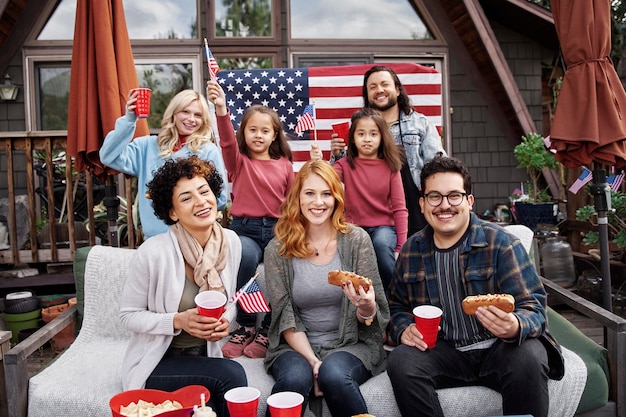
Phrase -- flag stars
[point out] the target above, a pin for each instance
(231, 103)
(265, 87)
(256, 95)
(247, 74)
(240, 110)
(273, 80)
(289, 80)
(298, 73)
(266, 103)
(230, 87)
(273, 95)
(256, 80)
(281, 74)
(298, 87)
(282, 103)
(248, 103)
(239, 95)
(247, 87)
(264, 74)
(238, 80)
(281, 87)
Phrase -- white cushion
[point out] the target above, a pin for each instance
(83, 379)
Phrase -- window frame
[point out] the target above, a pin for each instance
(33, 61)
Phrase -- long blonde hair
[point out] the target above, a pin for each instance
(168, 136)
(291, 227)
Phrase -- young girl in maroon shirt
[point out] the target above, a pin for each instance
(259, 165)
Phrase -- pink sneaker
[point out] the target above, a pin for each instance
(239, 339)
(258, 348)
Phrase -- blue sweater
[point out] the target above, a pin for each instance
(140, 158)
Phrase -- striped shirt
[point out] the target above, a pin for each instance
(459, 329)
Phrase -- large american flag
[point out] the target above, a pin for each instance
(336, 93)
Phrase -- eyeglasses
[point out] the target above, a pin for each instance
(435, 199)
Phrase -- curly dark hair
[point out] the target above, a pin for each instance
(447, 164)
(161, 188)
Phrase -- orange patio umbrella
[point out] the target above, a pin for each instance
(589, 124)
(102, 73)
(590, 120)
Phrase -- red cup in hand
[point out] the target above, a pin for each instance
(142, 106)
(341, 129)
(427, 320)
(210, 303)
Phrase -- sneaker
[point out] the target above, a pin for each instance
(239, 339)
(258, 348)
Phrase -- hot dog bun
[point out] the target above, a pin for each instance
(504, 302)
(339, 277)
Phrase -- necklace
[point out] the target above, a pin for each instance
(317, 252)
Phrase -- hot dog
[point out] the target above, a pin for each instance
(339, 277)
(504, 302)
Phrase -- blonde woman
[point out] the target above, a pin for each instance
(323, 339)
(186, 130)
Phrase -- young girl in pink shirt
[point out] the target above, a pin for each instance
(259, 165)
(374, 194)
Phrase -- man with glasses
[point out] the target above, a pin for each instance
(455, 256)
(383, 91)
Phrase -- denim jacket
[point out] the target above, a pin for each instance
(420, 139)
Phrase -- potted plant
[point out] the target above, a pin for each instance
(616, 225)
(536, 205)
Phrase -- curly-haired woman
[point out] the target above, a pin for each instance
(171, 345)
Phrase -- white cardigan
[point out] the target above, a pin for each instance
(151, 297)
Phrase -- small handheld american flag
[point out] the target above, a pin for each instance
(307, 121)
(251, 299)
(214, 67)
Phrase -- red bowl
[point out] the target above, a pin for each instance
(187, 396)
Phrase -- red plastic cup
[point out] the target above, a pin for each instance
(142, 109)
(242, 401)
(285, 404)
(210, 303)
(427, 320)
(342, 129)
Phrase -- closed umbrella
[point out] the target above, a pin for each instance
(589, 124)
(102, 73)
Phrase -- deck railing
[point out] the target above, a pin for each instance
(51, 199)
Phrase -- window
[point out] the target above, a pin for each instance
(52, 86)
(355, 19)
(243, 18)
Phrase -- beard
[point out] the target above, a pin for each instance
(391, 102)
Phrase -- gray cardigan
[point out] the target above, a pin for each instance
(365, 342)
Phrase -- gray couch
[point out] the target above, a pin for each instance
(83, 379)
